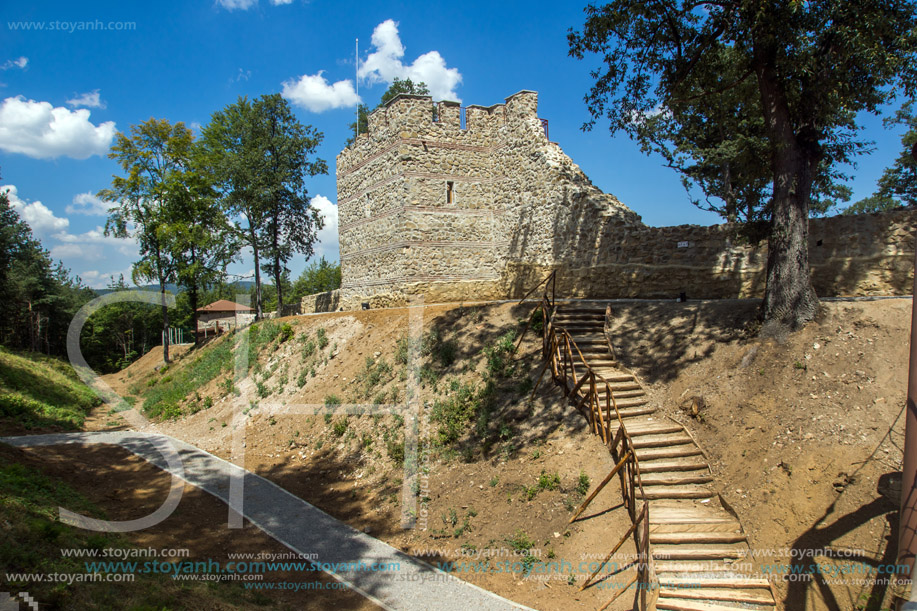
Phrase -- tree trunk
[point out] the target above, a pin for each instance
(257, 278)
(277, 283)
(194, 315)
(789, 299)
(165, 320)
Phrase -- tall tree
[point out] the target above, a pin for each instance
(262, 156)
(156, 158)
(318, 277)
(203, 238)
(292, 222)
(232, 149)
(811, 65)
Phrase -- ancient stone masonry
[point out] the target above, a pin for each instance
(476, 203)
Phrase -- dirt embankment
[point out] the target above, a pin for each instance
(803, 435)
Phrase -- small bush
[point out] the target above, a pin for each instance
(582, 485)
(285, 333)
(340, 427)
(322, 338)
(308, 349)
(548, 481)
(332, 401)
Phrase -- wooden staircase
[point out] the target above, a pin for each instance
(699, 549)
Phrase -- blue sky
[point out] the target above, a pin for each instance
(95, 68)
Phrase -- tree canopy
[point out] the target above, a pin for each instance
(754, 103)
(898, 184)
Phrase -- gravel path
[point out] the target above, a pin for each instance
(339, 550)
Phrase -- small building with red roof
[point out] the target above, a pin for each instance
(221, 316)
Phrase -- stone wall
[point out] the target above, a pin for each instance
(485, 209)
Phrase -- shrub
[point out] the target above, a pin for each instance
(332, 401)
(322, 338)
(454, 413)
(582, 486)
(285, 333)
(340, 427)
(548, 481)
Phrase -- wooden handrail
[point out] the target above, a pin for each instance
(564, 357)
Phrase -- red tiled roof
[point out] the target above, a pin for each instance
(224, 305)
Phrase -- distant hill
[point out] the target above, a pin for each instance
(244, 286)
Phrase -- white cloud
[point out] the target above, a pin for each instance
(243, 75)
(77, 251)
(100, 280)
(20, 63)
(281, 2)
(90, 99)
(385, 64)
(88, 204)
(314, 93)
(231, 5)
(36, 214)
(327, 245)
(41, 131)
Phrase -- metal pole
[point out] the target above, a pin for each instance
(907, 531)
(356, 83)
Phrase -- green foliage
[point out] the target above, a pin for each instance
(217, 359)
(898, 184)
(322, 338)
(318, 277)
(374, 373)
(41, 392)
(582, 484)
(548, 481)
(340, 426)
(260, 156)
(286, 332)
(499, 356)
(455, 412)
(39, 296)
(332, 401)
(716, 87)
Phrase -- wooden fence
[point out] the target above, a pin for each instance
(572, 372)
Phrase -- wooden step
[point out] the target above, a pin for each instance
(656, 454)
(661, 441)
(674, 492)
(685, 569)
(750, 597)
(625, 403)
(623, 394)
(673, 480)
(745, 583)
(676, 604)
(730, 528)
(637, 430)
(666, 466)
(699, 552)
(634, 412)
(695, 537)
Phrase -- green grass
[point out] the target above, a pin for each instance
(164, 399)
(37, 391)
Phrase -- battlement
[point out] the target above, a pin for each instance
(417, 116)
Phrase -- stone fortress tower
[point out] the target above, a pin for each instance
(454, 203)
(473, 203)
